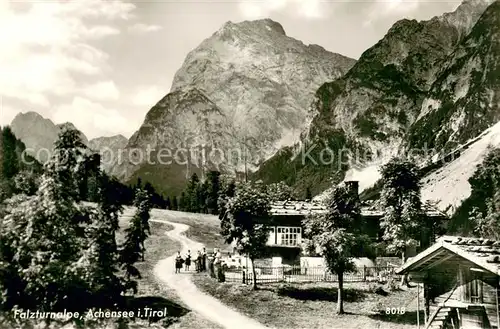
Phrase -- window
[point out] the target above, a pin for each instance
(272, 236)
(289, 236)
(476, 291)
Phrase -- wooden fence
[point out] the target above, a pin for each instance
(306, 274)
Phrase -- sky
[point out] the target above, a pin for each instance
(102, 64)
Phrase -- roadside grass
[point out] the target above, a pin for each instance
(204, 228)
(159, 246)
(302, 306)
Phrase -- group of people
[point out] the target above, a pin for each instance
(200, 261)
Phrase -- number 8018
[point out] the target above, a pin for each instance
(395, 310)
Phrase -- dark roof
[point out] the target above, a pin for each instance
(485, 253)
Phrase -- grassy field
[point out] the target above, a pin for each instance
(313, 305)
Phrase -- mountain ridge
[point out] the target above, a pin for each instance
(254, 84)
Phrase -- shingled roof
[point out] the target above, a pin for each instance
(298, 208)
(485, 253)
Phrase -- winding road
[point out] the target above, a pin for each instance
(207, 306)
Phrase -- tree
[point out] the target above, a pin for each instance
(201, 196)
(55, 253)
(280, 192)
(228, 190)
(191, 196)
(488, 224)
(26, 182)
(58, 254)
(400, 197)
(240, 221)
(212, 188)
(175, 205)
(183, 202)
(482, 205)
(308, 193)
(136, 234)
(168, 204)
(156, 199)
(338, 236)
(107, 286)
(10, 162)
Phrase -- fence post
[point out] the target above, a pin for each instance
(364, 272)
(243, 276)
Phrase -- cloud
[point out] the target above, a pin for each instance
(49, 44)
(383, 9)
(144, 28)
(93, 117)
(104, 90)
(7, 113)
(310, 9)
(148, 96)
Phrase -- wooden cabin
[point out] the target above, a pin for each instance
(286, 229)
(461, 281)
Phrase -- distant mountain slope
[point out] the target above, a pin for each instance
(109, 148)
(38, 133)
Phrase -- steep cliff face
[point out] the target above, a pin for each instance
(369, 114)
(108, 148)
(245, 90)
(38, 134)
(464, 100)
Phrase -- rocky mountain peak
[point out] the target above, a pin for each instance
(265, 25)
(466, 14)
(247, 88)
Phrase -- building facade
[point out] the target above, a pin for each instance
(461, 281)
(287, 231)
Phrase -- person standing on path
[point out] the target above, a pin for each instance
(198, 262)
(178, 262)
(204, 260)
(188, 260)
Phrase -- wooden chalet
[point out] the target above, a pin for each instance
(286, 219)
(461, 281)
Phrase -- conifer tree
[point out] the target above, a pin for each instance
(308, 193)
(44, 238)
(175, 205)
(133, 249)
(212, 189)
(183, 202)
(191, 197)
(10, 162)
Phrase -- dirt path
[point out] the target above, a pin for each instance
(207, 306)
